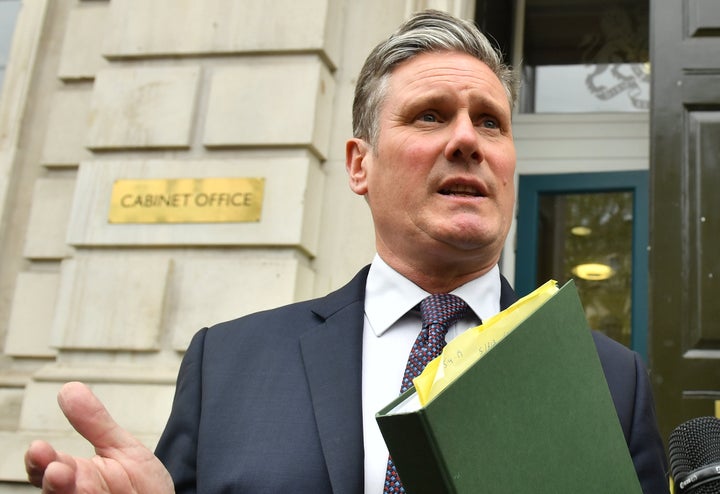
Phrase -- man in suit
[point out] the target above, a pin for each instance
(284, 400)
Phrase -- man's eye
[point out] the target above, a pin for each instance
(427, 117)
(490, 123)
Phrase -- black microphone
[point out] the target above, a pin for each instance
(694, 453)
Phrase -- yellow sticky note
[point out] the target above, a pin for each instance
(473, 344)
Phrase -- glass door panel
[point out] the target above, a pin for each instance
(588, 237)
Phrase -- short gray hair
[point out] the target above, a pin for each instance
(426, 31)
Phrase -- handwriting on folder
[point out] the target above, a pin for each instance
(474, 343)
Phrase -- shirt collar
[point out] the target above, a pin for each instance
(389, 295)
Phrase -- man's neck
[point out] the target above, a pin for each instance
(436, 277)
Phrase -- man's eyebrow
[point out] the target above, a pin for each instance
(428, 98)
(484, 100)
(480, 101)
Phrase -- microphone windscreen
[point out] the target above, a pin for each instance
(695, 445)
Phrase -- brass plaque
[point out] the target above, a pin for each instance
(187, 200)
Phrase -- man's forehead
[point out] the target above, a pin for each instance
(432, 73)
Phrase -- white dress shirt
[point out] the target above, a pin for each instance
(390, 329)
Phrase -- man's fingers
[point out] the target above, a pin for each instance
(38, 456)
(60, 478)
(42, 462)
(91, 419)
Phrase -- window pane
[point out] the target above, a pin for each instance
(562, 32)
(586, 55)
(588, 237)
(8, 13)
(592, 88)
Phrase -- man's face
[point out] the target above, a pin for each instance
(439, 180)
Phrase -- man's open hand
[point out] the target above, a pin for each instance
(121, 464)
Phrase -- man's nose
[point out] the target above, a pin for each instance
(464, 142)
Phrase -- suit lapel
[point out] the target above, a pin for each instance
(507, 294)
(332, 355)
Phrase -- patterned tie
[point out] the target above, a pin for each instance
(439, 312)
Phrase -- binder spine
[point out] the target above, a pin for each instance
(416, 451)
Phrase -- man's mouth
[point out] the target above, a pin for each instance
(461, 190)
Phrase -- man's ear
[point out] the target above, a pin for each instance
(358, 157)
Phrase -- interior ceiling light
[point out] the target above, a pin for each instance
(593, 271)
(580, 231)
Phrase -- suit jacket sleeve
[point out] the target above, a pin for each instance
(177, 448)
(645, 444)
(630, 388)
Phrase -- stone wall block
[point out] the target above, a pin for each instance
(67, 124)
(290, 212)
(139, 408)
(31, 316)
(141, 107)
(208, 291)
(10, 404)
(87, 26)
(110, 302)
(278, 101)
(49, 216)
(222, 27)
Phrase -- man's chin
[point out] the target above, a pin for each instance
(471, 247)
(468, 236)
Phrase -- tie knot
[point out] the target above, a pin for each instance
(442, 309)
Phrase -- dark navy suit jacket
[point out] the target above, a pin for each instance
(271, 402)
